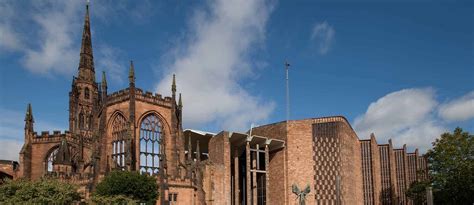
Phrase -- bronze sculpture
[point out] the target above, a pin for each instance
(301, 195)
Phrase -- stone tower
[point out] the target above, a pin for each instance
(84, 95)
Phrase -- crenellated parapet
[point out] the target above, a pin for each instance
(156, 99)
(140, 95)
(118, 97)
(55, 137)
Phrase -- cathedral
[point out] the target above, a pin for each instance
(318, 160)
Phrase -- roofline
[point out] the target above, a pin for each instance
(200, 132)
(8, 161)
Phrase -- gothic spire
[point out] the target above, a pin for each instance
(29, 113)
(180, 102)
(104, 80)
(173, 86)
(131, 73)
(86, 61)
(29, 118)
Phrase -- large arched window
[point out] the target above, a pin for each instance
(119, 134)
(150, 136)
(50, 158)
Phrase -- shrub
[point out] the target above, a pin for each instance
(142, 188)
(44, 191)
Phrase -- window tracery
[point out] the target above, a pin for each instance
(50, 159)
(150, 144)
(119, 135)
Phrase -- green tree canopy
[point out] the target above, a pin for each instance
(142, 188)
(417, 192)
(451, 165)
(44, 191)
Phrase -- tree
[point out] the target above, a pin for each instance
(142, 188)
(44, 191)
(417, 192)
(451, 165)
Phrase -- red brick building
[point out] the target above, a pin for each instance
(135, 130)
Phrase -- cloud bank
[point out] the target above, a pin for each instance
(459, 109)
(214, 60)
(410, 116)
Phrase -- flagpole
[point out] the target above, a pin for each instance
(287, 65)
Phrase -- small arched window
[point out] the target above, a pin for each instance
(50, 159)
(150, 140)
(81, 121)
(86, 93)
(119, 134)
(89, 122)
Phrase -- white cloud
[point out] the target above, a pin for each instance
(407, 116)
(112, 61)
(459, 109)
(9, 37)
(48, 33)
(323, 36)
(211, 64)
(56, 51)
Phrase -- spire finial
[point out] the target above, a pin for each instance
(180, 102)
(173, 86)
(29, 113)
(86, 61)
(104, 80)
(131, 73)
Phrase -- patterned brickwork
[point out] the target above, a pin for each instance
(338, 177)
(327, 163)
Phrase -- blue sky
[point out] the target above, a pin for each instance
(401, 69)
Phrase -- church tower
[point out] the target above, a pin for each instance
(84, 95)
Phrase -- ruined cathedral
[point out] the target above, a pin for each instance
(318, 160)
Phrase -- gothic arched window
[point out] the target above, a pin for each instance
(50, 158)
(89, 122)
(86, 93)
(150, 140)
(81, 121)
(119, 134)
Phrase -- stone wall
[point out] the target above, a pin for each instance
(219, 191)
(8, 169)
